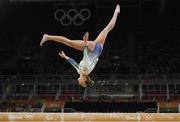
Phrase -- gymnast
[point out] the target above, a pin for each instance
(91, 50)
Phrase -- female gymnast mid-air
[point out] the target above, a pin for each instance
(91, 50)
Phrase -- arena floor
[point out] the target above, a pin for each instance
(89, 117)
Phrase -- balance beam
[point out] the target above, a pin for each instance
(93, 117)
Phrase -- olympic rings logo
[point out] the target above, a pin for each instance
(72, 16)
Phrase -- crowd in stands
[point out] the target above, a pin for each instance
(14, 106)
(149, 57)
(159, 57)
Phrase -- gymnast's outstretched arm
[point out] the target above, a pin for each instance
(70, 60)
(75, 65)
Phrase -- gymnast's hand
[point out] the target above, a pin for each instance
(86, 37)
(63, 55)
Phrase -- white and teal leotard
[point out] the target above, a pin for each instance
(89, 61)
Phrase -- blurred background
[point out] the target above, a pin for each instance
(139, 66)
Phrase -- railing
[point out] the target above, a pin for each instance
(69, 110)
(151, 110)
(104, 76)
(113, 85)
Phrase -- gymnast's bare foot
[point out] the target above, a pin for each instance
(117, 9)
(44, 39)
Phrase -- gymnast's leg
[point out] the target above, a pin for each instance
(102, 36)
(79, 44)
(76, 44)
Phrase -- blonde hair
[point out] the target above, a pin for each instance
(89, 82)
